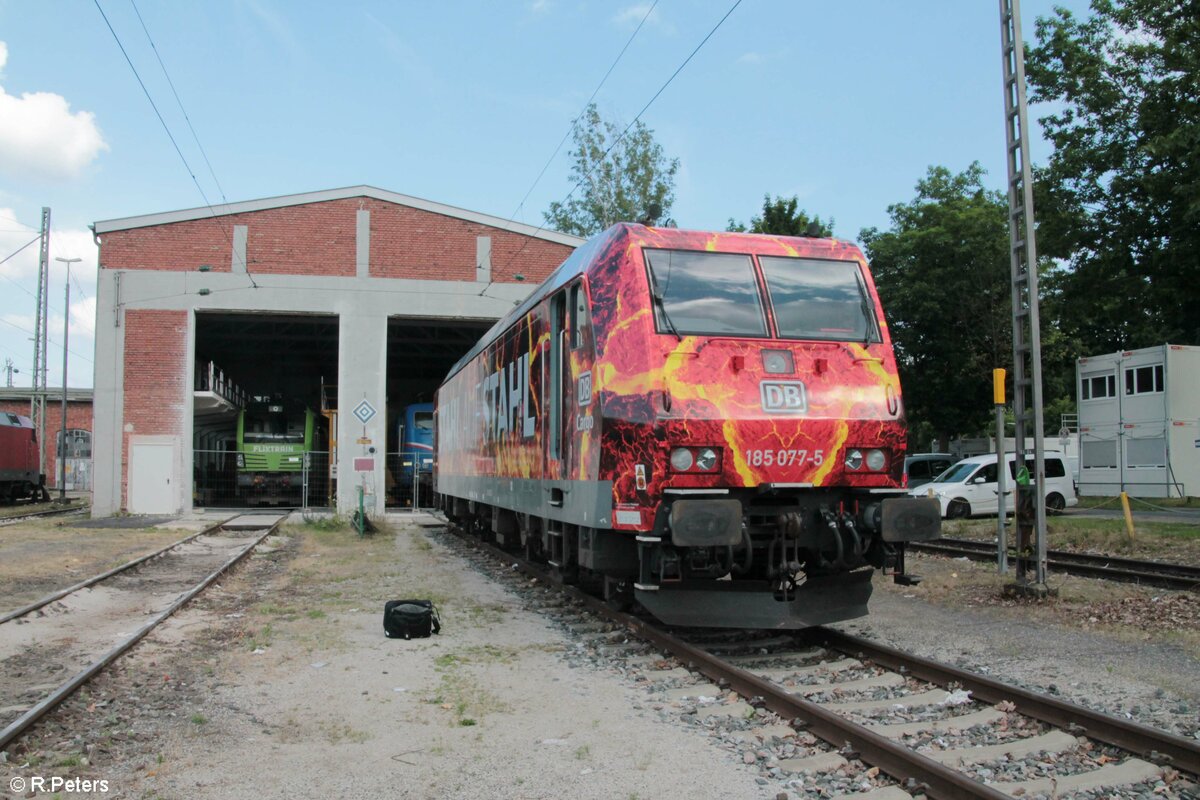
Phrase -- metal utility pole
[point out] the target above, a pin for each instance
(1027, 356)
(62, 434)
(9, 369)
(37, 399)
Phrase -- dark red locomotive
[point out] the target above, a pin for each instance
(708, 423)
(20, 461)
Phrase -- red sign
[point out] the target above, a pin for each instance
(364, 465)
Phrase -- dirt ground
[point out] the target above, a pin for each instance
(278, 682)
(40, 556)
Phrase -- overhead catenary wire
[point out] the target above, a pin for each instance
(56, 344)
(167, 129)
(182, 110)
(632, 122)
(582, 111)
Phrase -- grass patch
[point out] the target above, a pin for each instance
(198, 719)
(261, 639)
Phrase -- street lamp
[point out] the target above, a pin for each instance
(62, 434)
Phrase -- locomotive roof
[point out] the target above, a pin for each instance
(10, 420)
(584, 256)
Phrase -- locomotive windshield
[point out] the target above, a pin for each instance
(273, 427)
(705, 293)
(818, 299)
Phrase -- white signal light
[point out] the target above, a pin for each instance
(706, 460)
(876, 460)
(854, 459)
(778, 362)
(681, 459)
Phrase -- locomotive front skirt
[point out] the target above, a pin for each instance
(708, 423)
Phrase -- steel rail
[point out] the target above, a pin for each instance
(910, 768)
(57, 512)
(61, 593)
(1155, 745)
(1128, 570)
(65, 690)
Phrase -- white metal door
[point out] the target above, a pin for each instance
(151, 473)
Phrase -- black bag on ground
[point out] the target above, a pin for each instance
(410, 619)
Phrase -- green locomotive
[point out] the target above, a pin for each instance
(274, 440)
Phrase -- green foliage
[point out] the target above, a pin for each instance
(617, 179)
(782, 218)
(1120, 197)
(943, 275)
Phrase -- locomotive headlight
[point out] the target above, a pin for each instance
(681, 459)
(876, 460)
(706, 459)
(854, 459)
(241, 461)
(778, 362)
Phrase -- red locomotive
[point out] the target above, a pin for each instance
(708, 423)
(20, 461)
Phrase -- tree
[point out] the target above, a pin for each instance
(617, 178)
(1119, 200)
(943, 276)
(781, 217)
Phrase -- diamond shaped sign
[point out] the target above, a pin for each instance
(363, 412)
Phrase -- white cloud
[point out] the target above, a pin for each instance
(632, 16)
(751, 58)
(64, 243)
(41, 137)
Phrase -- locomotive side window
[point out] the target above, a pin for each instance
(579, 315)
(705, 293)
(819, 299)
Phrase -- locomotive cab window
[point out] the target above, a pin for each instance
(705, 293)
(819, 299)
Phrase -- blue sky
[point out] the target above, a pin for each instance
(843, 104)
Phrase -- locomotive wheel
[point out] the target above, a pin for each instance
(958, 509)
(618, 594)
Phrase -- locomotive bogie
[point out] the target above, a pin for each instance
(709, 423)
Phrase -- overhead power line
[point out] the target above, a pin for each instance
(633, 122)
(171, 83)
(167, 129)
(582, 111)
(56, 344)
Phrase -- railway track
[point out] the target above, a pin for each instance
(1128, 570)
(934, 729)
(84, 628)
(56, 512)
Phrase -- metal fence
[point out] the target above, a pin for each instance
(410, 479)
(218, 482)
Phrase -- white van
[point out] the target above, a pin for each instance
(969, 487)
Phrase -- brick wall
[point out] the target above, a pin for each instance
(410, 243)
(156, 379)
(79, 417)
(320, 239)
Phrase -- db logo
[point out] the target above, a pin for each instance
(585, 389)
(782, 397)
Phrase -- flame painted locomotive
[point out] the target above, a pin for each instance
(707, 423)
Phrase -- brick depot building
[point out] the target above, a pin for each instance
(322, 300)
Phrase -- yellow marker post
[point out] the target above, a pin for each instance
(1001, 538)
(1128, 515)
